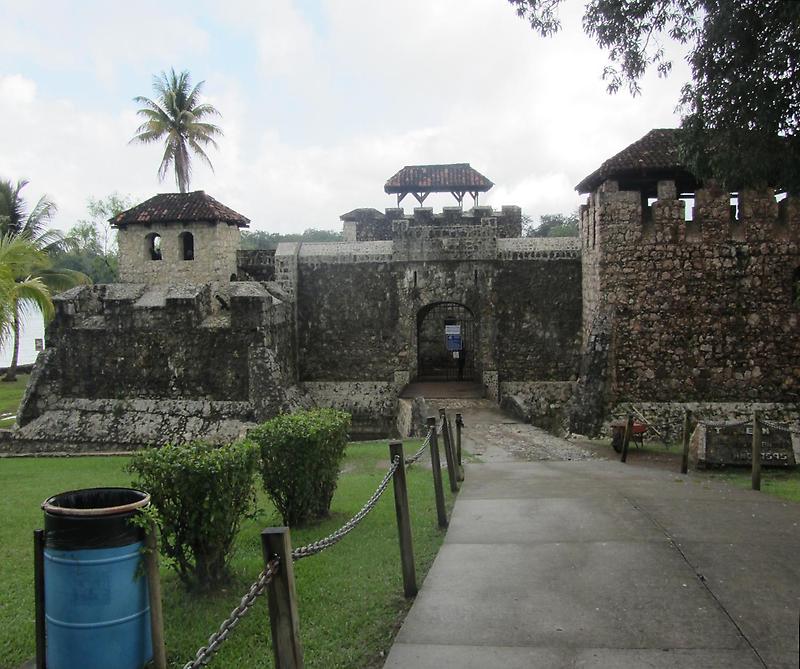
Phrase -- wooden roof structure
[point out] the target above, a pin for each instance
(641, 165)
(179, 208)
(422, 180)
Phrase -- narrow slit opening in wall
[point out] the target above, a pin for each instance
(688, 210)
(415, 278)
(152, 246)
(734, 208)
(187, 246)
(647, 208)
(594, 231)
(780, 198)
(476, 277)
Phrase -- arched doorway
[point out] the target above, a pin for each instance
(446, 343)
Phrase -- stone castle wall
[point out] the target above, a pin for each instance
(129, 365)
(255, 265)
(214, 253)
(686, 311)
(358, 304)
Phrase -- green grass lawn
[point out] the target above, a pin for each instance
(785, 484)
(350, 597)
(778, 482)
(10, 396)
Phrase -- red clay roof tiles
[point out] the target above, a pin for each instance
(180, 207)
(437, 179)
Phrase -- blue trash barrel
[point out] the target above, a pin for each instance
(97, 612)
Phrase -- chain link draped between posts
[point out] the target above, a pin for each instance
(422, 450)
(746, 422)
(723, 423)
(204, 654)
(778, 427)
(335, 537)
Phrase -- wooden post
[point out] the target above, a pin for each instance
(687, 421)
(448, 452)
(627, 439)
(459, 425)
(154, 590)
(403, 521)
(38, 594)
(282, 600)
(756, 476)
(436, 466)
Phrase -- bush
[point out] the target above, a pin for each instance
(300, 458)
(200, 493)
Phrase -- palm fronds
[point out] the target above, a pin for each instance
(176, 117)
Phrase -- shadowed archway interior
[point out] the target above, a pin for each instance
(436, 359)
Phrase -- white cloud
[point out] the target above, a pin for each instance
(379, 86)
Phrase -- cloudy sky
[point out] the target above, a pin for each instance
(321, 101)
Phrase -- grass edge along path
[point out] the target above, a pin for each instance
(350, 597)
(776, 481)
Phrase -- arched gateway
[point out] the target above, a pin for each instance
(446, 343)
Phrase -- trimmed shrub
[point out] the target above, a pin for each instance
(300, 458)
(200, 493)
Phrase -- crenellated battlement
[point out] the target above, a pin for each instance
(698, 290)
(423, 222)
(707, 216)
(239, 306)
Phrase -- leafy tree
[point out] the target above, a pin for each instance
(742, 106)
(92, 250)
(177, 117)
(552, 225)
(31, 227)
(260, 239)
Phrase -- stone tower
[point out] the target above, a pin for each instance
(176, 237)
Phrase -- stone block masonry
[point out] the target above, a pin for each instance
(361, 305)
(129, 365)
(213, 252)
(696, 310)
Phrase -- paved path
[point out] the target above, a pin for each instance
(591, 563)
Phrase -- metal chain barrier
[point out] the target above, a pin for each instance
(731, 423)
(778, 427)
(422, 450)
(204, 654)
(335, 537)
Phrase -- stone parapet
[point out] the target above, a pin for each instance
(345, 252)
(538, 248)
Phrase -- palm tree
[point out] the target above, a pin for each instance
(18, 255)
(176, 117)
(37, 270)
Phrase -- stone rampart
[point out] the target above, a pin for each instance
(695, 310)
(255, 265)
(128, 365)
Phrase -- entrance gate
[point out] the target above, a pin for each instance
(446, 343)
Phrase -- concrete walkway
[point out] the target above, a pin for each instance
(591, 563)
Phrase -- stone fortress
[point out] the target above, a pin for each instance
(676, 294)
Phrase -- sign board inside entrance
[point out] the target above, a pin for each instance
(452, 335)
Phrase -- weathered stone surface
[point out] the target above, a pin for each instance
(134, 365)
(699, 310)
(213, 257)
